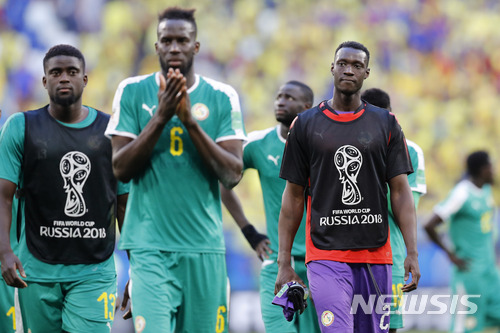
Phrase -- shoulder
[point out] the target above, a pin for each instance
(260, 135)
(15, 121)
(135, 81)
(216, 86)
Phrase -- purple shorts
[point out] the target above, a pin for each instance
(346, 298)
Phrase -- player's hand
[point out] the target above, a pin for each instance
(286, 274)
(125, 301)
(411, 266)
(263, 250)
(461, 264)
(170, 93)
(10, 265)
(183, 110)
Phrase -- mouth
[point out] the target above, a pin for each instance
(174, 63)
(64, 90)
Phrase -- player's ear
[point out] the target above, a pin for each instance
(85, 80)
(44, 82)
(331, 68)
(367, 73)
(196, 47)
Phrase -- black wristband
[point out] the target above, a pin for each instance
(252, 235)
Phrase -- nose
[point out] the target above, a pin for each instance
(174, 47)
(348, 70)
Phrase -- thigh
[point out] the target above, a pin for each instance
(272, 315)
(396, 317)
(372, 290)
(465, 318)
(7, 309)
(307, 321)
(331, 287)
(41, 305)
(204, 281)
(155, 292)
(89, 305)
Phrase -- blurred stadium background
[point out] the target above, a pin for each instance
(439, 60)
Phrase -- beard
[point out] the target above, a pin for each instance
(285, 119)
(183, 69)
(66, 100)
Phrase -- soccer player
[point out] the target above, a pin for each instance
(59, 160)
(263, 151)
(341, 155)
(175, 136)
(380, 98)
(469, 209)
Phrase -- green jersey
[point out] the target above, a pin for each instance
(419, 188)
(12, 151)
(469, 210)
(174, 203)
(263, 152)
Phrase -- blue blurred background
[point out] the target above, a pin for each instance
(439, 61)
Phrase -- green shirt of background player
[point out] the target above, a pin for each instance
(380, 98)
(469, 209)
(263, 152)
(175, 136)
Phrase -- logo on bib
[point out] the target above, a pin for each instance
(75, 169)
(200, 111)
(348, 160)
(140, 324)
(327, 318)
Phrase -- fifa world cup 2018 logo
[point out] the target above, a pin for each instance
(348, 160)
(75, 169)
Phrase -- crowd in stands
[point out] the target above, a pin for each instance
(439, 60)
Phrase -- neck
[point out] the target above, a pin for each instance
(73, 113)
(478, 182)
(190, 79)
(343, 102)
(284, 130)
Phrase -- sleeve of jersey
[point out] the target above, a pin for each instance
(123, 188)
(453, 203)
(12, 147)
(123, 121)
(231, 120)
(398, 158)
(417, 178)
(295, 164)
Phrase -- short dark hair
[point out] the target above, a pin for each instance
(63, 50)
(355, 45)
(476, 161)
(306, 90)
(177, 13)
(377, 97)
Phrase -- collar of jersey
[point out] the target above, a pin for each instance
(190, 90)
(330, 113)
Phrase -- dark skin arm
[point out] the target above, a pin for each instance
(120, 211)
(233, 205)
(430, 228)
(292, 209)
(130, 156)
(10, 262)
(404, 213)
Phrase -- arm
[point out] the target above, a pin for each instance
(224, 159)
(259, 242)
(404, 214)
(120, 211)
(10, 262)
(131, 155)
(292, 209)
(430, 228)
